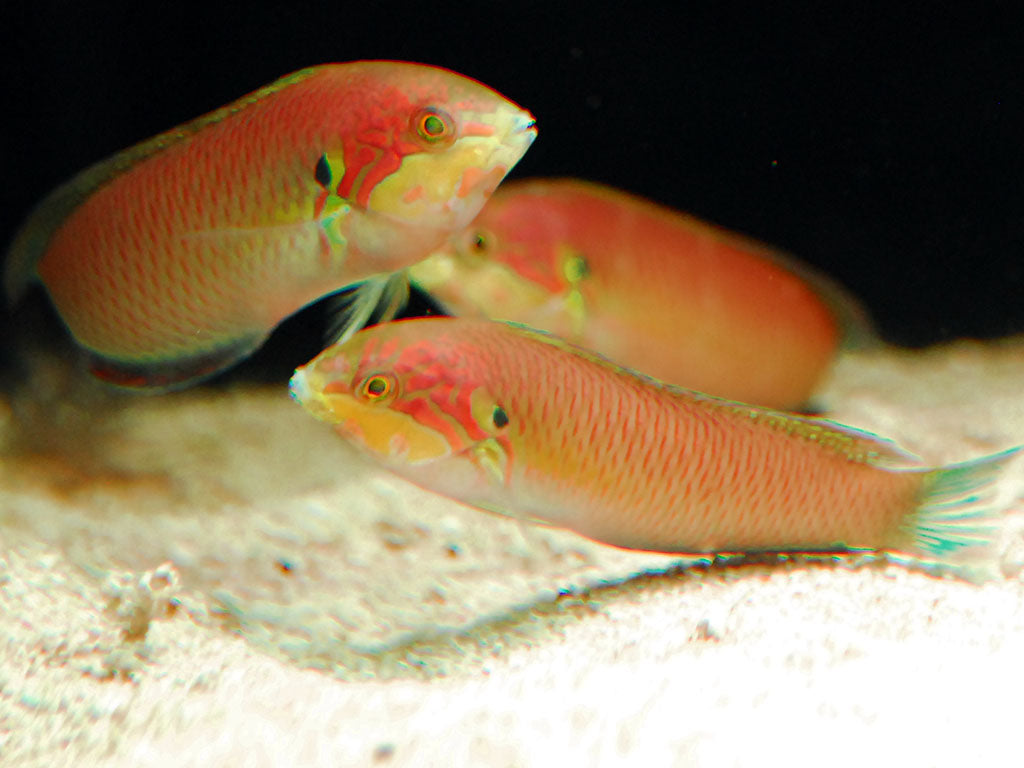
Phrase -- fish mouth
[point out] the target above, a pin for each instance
(518, 138)
(523, 131)
(527, 126)
(302, 393)
(307, 385)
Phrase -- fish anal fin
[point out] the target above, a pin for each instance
(175, 373)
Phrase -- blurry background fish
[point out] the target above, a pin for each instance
(650, 288)
(881, 150)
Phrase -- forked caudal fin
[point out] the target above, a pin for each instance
(956, 524)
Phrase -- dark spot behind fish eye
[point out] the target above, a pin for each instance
(323, 172)
(499, 417)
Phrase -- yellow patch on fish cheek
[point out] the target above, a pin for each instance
(392, 194)
(438, 176)
(418, 444)
(388, 434)
(351, 431)
(377, 430)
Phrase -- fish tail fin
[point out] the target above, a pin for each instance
(32, 239)
(24, 254)
(957, 523)
(377, 299)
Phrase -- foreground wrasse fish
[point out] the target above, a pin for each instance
(516, 422)
(651, 288)
(175, 258)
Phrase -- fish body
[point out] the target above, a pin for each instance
(517, 422)
(651, 288)
(176, 257)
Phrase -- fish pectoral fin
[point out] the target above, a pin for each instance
(376, 300)
(491, 457)
(172, 373)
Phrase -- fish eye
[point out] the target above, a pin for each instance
(377, 386)
(479, 242)
(499, 417)
(433, 125)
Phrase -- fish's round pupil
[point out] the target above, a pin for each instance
(433, 125)
(377, 386)
(499, 417)
(479, 242)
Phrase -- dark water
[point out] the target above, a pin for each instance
(883, 149)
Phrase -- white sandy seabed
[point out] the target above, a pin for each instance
(213, 578)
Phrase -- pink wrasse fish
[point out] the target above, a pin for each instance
(521, 423)
(649, 287)
(176, 257)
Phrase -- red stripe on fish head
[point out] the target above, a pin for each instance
(383, 136)
(437, 385)
(371, 155)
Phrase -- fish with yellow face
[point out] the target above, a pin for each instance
(175, 258)
(521, 423)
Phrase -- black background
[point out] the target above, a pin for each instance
(883, 148)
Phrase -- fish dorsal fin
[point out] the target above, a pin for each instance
(855, 444)
(32, 239)
(546, 337)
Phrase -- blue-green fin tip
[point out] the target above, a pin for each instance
(959, 508)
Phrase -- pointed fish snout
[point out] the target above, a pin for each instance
(298, 386)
